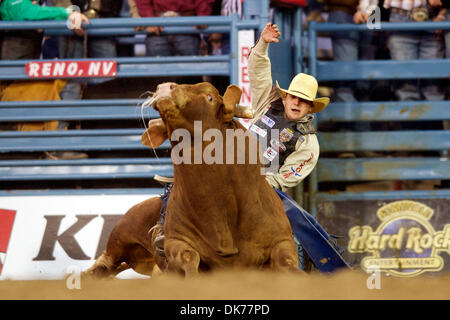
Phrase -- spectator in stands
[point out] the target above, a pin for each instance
(220, 43)
(443, 15)
(446, 7)
(314, 10)
(134, 12)
(80, 46)
(130, 8)
(27, 44)
(167, 45)
(411, 45)
(96, 47)
(445, 12)
(350, 46)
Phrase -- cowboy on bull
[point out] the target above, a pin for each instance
(290, 112)
(295, 149)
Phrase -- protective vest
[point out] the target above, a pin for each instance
(278, 135)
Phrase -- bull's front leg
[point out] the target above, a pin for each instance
(181, 257)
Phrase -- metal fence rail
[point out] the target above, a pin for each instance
(256, 13)
(93, 109)
(329, 168)
(225, 65)
(332, 169)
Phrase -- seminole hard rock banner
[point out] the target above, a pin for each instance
(403, 238)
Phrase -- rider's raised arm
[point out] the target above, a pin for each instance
(262, 90)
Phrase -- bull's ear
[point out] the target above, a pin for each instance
(231, 97)
(156, 133)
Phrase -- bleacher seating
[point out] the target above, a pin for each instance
(427, 149)
(78, 140)
(118, 153)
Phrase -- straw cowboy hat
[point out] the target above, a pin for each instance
(305, 86)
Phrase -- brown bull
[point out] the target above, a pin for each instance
(218, 215)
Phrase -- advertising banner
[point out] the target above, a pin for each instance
(41, 237)
(246, 42)
(403, 238)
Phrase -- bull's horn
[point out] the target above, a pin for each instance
(244, 112)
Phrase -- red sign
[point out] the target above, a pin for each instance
(71, 69)
(6, 224)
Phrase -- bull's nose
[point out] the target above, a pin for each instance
(164, 89)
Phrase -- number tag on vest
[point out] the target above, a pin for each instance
(258, 130)
(286, 135)
(277, 145)
(270, 154)
(267, 121)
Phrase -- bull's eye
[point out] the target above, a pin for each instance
(210, 98)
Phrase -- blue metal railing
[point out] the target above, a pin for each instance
(222, 65)
(366, 169)
(255, 17)
(228, 65)
(439, 66)
(291, 27)
(92, 109)
(225, 65)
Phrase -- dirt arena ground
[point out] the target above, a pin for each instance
(252, 285)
